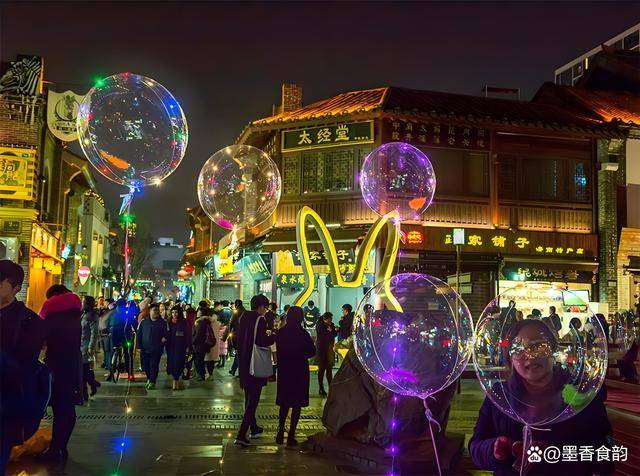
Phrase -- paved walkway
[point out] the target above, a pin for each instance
(191, 432)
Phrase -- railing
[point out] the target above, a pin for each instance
(351, 210)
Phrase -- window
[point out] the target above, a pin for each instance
(327, 171)
(554, 179)
(631, 40)
(460, 172)
(332, 170)
(565, 77)
(291, 174)
(581, 181)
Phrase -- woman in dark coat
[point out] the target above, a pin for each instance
(178, 342)
(88, 345)
(294, 347)
(325, 339)
(61, 313)
(535, 393)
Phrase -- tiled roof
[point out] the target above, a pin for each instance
(345, 103)
(608, 105)
(443, 106)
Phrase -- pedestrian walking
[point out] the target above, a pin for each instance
(311, 315)
(24, 381)
(203, 340)
(178, 344)
(238, 311)
(152, 336)
(103, 331)
(223, 345)
(213, 356)
(252, 332)
(294, 348)
(325, 340)
(122, 324)
(88, 346)
(61, 313)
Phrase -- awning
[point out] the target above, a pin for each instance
(282, 240)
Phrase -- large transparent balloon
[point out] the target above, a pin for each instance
(239, 186)
(132, 130)
(398, 176)
(540, 353)
(413, 334)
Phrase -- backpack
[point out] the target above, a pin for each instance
(210, 338)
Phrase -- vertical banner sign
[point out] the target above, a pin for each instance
(17, 168)
(62, 111)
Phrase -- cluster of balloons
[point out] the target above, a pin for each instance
(422, 342)
(134, 132)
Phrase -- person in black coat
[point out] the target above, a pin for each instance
(325, 339)
(294, 348)
(22, 335)
(346, 322)
(88, 345)
(178, 343)
(535, 392)
(152, 335)
(61, 313)
(203, 341)
(247, 335)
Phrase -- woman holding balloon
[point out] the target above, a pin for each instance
(538, 393)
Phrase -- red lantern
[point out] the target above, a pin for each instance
(182, 273)
(189, 268)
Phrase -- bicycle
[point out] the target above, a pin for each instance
(117, 363)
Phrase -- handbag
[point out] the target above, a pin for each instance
(260, 365)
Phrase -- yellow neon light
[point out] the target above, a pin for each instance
(391, 220)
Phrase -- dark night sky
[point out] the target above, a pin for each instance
(225, 61)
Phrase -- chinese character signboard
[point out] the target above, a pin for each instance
(505, 242)
(319, 258)
(435, 134)
(328, 136)
(290, 280)
(550, 273)
(17, 173)
(414, 237)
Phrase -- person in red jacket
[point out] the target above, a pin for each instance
(61, 313)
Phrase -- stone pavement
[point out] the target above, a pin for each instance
(191, 432)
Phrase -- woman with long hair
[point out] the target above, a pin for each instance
(88, 345)
(178, 343)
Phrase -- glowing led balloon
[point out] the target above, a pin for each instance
(239, 186)
(132, 130)
(539, 336)
(397, 176)
(420, 347)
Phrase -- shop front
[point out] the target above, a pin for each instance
(289, 278)
(239, 274)
(495, 260)
(45, 265)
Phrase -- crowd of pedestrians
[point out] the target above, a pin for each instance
(74, 336)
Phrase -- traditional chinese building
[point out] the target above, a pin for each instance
(518, 177)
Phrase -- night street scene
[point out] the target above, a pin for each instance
(316, 238)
